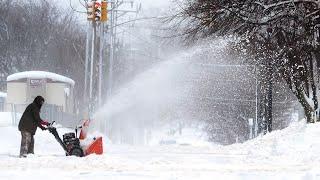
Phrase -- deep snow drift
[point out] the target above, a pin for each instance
(292, 153)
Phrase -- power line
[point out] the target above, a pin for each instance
(73, 9)
(84, 5)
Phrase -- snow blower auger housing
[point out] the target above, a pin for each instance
(70, 142)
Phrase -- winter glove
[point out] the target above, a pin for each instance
(42, 122)
(43, 128)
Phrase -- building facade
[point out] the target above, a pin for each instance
(57, 90)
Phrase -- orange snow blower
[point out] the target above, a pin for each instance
(95, 146)
(72, 144)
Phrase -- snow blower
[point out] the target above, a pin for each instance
(71, 143)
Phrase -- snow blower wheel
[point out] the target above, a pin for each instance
(76, 151)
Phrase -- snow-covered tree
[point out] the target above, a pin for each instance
(282, 34)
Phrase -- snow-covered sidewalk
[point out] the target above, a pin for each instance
(292, 153)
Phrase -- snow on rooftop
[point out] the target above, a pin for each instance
(40, 74)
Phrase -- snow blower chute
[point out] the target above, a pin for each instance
(94, 145)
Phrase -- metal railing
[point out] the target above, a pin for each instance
(48, 112)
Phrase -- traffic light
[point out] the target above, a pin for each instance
(104, 11)
(97, 10)
(90, 11)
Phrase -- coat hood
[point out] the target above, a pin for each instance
(39, 100)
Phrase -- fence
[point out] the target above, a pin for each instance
(48, 112)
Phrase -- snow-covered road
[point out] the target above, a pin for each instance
(169, 162)
(150, 163)
(268, 157)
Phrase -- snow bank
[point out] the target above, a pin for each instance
(3, 95)
(297, 144)
(5, 119)
(40, 75)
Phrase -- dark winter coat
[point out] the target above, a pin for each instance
(30, 119)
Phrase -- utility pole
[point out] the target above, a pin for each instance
(100, 64)
(97, 15)
(104, 18)
(97, 11)
(110, 79)
(92, 60)
(85, 109)
(114, 15)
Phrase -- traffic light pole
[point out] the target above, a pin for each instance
(111, 57)
(92, 58)
(97, 16)
(85, 93)
(100, 64)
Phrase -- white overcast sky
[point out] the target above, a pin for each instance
(145, 3)
(155, 3)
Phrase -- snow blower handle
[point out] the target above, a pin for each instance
(51, 124)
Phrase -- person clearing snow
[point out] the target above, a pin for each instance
(28, 124)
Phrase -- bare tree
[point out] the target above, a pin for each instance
(37, 36)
